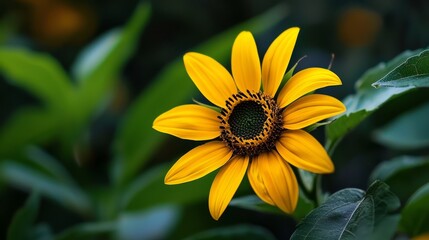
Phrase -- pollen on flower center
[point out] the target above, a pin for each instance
(251, 123)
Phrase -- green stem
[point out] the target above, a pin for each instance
(331, 145)
(317, 190)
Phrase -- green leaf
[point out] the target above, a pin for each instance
(253, 202)
(359, 107)
(303, 207)
(17, 132)
(42, 76)
(43, 162)
(42, 232)
(415, 215)
(414, 72)
(349, 214)
(67, 107)
(382, 69)
(366, 100)
(22, 223)
(154, 223)
(408, 131)
(386, 228)
(8, 27)
(248, 232)
(87, 231)
(22, 226)
(108, 54)
(94, 54)
(21, 176)
(136, 140)
(397, 171)
(339, 127)
(149, 190)
(101, 76)
(39, 74)
(307, 179)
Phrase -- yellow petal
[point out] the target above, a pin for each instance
(311, 109)
(303, 151)
(278, 180)
(226, 184)
(277, 59)
(192, 122)
(198, 162)
(210, 77)
(306, 81)
(255, 179)
(245, 64)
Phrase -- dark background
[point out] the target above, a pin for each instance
(360, 34)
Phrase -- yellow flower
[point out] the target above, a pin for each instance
(257, 129)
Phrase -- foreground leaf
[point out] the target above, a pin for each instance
(22, 223)
(415, 215)
(350, 214)
(397, 171)
(248, 232)
(408, 131)
(366, 100)
(412, 73)
(136, 140)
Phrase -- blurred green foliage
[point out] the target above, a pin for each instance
(79, 158)
(23, 221)
(414, 217)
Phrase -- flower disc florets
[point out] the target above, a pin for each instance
(251, 123)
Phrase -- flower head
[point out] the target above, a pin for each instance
(258, 129)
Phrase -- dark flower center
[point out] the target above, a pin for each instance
(247, 119)
(251, 123)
